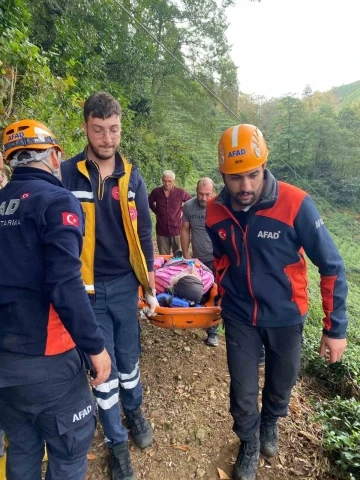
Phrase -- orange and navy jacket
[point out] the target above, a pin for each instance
(44, 308)
(261, 271)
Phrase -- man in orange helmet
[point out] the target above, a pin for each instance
(2, 436)
(45, 314)
(261, 229)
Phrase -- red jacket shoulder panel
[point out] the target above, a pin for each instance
(287, 205)
(215, 213)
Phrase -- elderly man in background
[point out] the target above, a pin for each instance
(166, 202)
(193, 231)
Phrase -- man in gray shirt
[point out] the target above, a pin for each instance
(193, 228)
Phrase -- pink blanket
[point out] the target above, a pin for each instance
(164, 272)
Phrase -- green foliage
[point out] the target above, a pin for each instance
(348, 94)
(341, 426)
(65, 50)
(55, 53)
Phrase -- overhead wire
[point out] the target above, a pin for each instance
(141, 25)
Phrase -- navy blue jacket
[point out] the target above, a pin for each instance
(44, 308)
(261, 267)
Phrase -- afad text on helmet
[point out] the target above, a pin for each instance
(235, 153)
(15, 136)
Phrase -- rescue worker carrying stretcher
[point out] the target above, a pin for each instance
(45, 313)
(3, 181)
(261, 229)
(118, 255)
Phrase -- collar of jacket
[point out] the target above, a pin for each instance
(119, 164)
(268, 197)
(33, 173)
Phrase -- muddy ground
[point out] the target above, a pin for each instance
(186, 400)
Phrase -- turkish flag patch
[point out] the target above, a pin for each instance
(70, 219)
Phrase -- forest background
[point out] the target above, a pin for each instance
(55, 53)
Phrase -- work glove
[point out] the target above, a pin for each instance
(152, 302)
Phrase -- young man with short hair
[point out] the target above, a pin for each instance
(117, 257)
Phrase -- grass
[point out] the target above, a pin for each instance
(341, 434)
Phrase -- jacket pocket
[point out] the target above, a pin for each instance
(296, 274)
(76, 427)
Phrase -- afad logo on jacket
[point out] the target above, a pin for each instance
(265, 234)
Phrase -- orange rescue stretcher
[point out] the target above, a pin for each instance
(185, 317)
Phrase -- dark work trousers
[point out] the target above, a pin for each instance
(116, 310)
(282, 365)
(211, 330)
(55, 406)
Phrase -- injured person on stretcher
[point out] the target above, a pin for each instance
(182, 282)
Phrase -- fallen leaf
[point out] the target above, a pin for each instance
(296, 472)
(184, 448)
(310, 437)
(222, 475)
(91, 456)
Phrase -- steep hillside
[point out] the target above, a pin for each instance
(347, 94)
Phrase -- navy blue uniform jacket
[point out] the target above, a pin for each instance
(261, 270)
(44, 308)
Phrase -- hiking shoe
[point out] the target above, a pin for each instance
(120, 463)
(140, 428)
(247, 461)
(262, 357)
(212, 341)
(268, 435)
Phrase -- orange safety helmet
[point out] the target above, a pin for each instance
(241, 148)
(28, 135)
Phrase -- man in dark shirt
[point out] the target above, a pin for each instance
(117, 257)
(166, 203)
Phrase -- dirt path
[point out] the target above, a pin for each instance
(186, 399)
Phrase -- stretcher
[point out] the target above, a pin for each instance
(185, 317)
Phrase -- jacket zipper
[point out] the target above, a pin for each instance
(101, 185)
(256, 307)
(233, 241)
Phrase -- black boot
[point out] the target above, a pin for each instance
(140, 428)
(268, 435)
(120, 463)
(247, 461)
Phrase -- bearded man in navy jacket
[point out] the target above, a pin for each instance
(261, 230)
